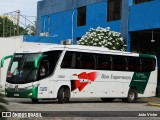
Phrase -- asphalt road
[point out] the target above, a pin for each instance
(85, 109)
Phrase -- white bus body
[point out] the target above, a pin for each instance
(80, 72)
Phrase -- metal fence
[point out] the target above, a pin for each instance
(15, 24)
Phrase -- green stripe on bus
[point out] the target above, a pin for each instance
(146, 56)
(139, 81)
(30, 93)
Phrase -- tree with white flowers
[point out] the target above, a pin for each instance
(103, 37)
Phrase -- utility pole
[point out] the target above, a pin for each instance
(18, 15)
(4, 25)
(73, 20)
(73, 26)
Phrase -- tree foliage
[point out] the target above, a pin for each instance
(31, 30)
(103, 37)
(11, 28)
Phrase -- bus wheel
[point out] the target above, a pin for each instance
(63, 95)
(34, 100)
(107, 99)
(132, 96)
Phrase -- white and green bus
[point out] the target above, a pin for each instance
(72, 71)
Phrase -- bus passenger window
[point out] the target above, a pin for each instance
(67, 60)
(77, 60)
(87, 61)
(104, 62)
(148, 65)
(44, 69)
(134, 64)
(53, 57)
(119, 63)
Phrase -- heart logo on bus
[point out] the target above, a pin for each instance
(81, 80)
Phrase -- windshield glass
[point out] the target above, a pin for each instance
(21, 69)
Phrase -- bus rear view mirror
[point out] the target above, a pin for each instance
(37, 60)
(3, 59)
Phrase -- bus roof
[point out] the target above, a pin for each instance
(39, 48)
(49, 47)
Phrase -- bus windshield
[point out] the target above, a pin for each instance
(21, 69)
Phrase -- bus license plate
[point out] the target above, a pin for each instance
(16, 95)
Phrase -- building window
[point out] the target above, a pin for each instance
(81, 16)
(140, 1)
(114, 10)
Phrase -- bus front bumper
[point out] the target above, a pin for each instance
(19, 93)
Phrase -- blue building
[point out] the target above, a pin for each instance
(137, 20)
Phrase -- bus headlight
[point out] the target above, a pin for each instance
(30, 94)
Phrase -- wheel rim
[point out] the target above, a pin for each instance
(131, 96)
(63, 95)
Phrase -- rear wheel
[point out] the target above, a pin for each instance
(107, 99)
(132, 96)
(34, 100)
(63, 95)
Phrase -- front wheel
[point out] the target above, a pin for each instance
(132, 96)
(63, 95)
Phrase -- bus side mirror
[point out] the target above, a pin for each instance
(3, 59)
(37, 60)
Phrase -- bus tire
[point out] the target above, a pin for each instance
(63, 95)
(132, 96)
(107, 99)
(34, 100)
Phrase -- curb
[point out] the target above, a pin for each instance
(153, 104)
(151, 99)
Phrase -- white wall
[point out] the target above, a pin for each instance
(7, 47)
